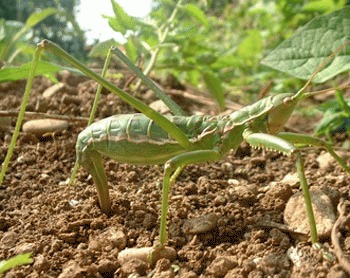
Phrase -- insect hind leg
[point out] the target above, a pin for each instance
(172, 169)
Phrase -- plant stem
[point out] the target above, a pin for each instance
(161, 39)
(308, 203)
(21, 114)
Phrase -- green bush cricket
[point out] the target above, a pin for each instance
(178, 141)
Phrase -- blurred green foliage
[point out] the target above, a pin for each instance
(216, 44)
(59, 26)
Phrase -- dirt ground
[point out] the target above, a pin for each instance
(241, 197)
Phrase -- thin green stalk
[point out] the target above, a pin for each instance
(307, 197)
(21, 114)
(162, 38)
(162, 35)
(174, 108)
(99, 88)
(342, 103)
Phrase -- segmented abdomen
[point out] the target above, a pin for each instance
(134, 138)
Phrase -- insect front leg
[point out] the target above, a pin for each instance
(307, 140)
(274, 143)
(172, 169)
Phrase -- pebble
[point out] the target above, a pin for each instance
(160, 107)
(43, 126)
(71, 270)
(9, 239)
(24, 247)
(201, 224)
(134, 267)
(49, 92)
(144, 253)
(325, 160)
(291, 179)
(163, 268)
(107, 267)
(41, 263)
(296, 218)
(110, 238)
(221, 265)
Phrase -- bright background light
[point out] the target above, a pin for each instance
(90, 18)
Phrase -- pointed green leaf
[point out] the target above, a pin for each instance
(15, 261)
(100, 50)
(22, 72)
(35, 18)
(214, 85)
(251, 46)
(301, 54)
(121, 22)
(131, 50)
(197, 13)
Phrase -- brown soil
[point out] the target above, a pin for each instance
(69, 236)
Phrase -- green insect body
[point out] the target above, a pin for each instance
(134, 138)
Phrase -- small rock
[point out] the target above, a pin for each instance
(163, 269)
(233, 182)
(325, 160)
(134, 266)
(159, 106)
(72, 270)
(106, 266)
(43, 126)
(24, 247)
(41, 264)
(117, 238)
(291, 179)
(221, 265)
(273, 263)
(146, 254)
(49, 92)
(69, 237)
(201, 224)
(110, 238)
(9, 239)
(296, 218)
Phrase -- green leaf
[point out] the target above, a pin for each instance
(214, 85)
(15, 261)
(121, 22)
(301, 54)
(131, 50)
(100, 50)
(35, 18)
(324, 5)
(22, 72)
(206, 58)
(197, 13)
(251, 46)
